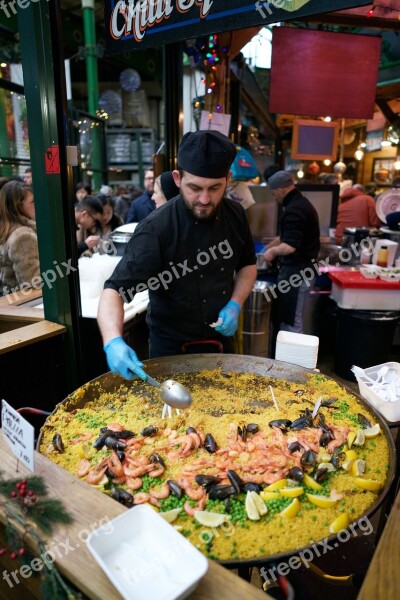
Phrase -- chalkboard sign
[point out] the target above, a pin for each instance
(314, 140)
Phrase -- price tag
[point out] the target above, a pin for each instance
(19, 434)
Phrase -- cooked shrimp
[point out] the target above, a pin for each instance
(84, 437)
(116, 427)
(162, 493)
(134, 483)
(83, 467)
(141, 498)
(190, 510)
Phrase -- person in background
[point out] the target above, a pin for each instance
(28, 176)
(164, 189)
(370, 189)
(359, 187)
(109, 220)
(332, 179)
(81, 191)
(19, 255)
(200, 231)
(88, 215)
(295, 248)
(144, 205)
(356, 209)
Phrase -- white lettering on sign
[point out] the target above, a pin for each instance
(19, 434)
(136, 17)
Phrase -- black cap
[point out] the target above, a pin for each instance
(206, 154)
(167, 184)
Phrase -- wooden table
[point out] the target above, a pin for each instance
(382, 581)
(88, 507)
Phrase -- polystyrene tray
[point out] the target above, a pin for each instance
(145, 557)
(389, 410)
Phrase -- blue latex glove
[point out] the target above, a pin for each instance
(122, 360)
(230, 316)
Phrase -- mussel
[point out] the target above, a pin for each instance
(58, 443)
(242, 432)
(220, 492)
(206, 481)
(304, 421)
(250, 486)
(325, 438)
(282, 424)
(190, 430)
(124, 435)
(114, 444)
(149, 431)
(110, 474)
(122, 496)
(337, 458)
(308, 459)
(328, 403)
(156, 458)
(296, 474)
(121, 455)
(99, 443)
(235, 480)
(364, 422)
(299, 392)
(321, 475)
(175, 488)
(210, 444)
(252, 428)
(295, 446)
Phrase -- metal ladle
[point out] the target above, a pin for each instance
(172, 392)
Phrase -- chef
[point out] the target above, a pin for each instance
(195, 255)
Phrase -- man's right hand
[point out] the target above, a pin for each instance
(122, 360)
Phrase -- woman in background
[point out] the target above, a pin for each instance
(110, 219)
(19, 256)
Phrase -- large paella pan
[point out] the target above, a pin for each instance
(269, 459)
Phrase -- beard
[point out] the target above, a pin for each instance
(199, 211)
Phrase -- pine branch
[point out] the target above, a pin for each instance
(46, 513)
(35, 483)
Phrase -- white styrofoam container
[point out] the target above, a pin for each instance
(389, 410)
(145, 557)
(364, 299)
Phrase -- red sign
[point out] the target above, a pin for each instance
(322, 73)
(52, 160)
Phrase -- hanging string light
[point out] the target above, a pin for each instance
(213, 55)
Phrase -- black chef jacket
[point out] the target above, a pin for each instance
(187, 265)
(299, 227)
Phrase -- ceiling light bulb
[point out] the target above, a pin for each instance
(300, 174)
(327, 162)
(358, 154)
(327, 119)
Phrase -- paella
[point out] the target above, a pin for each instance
(257, 466)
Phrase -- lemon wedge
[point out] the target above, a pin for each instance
(291, 510)
(368, 484)
(327, 465)
(266, 496)
(341, 522)
(251, 508)
(372, 432)
(84, 450)
(277, 485)
(170, 515)
(310, 482)
(207, 518)
(351, 455)
(259, 503)
(359, 439)
(351, 436)
(292, 492)
(321, 501)
(358, 467)
(323, 457)
(347, 465)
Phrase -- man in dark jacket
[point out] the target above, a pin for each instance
(296, 249)
(195, 255)
(144, 205)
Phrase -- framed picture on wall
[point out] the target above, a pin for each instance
(314, 140)
(382, 170)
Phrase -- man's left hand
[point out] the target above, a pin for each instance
(229, 316)
(270, 255)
